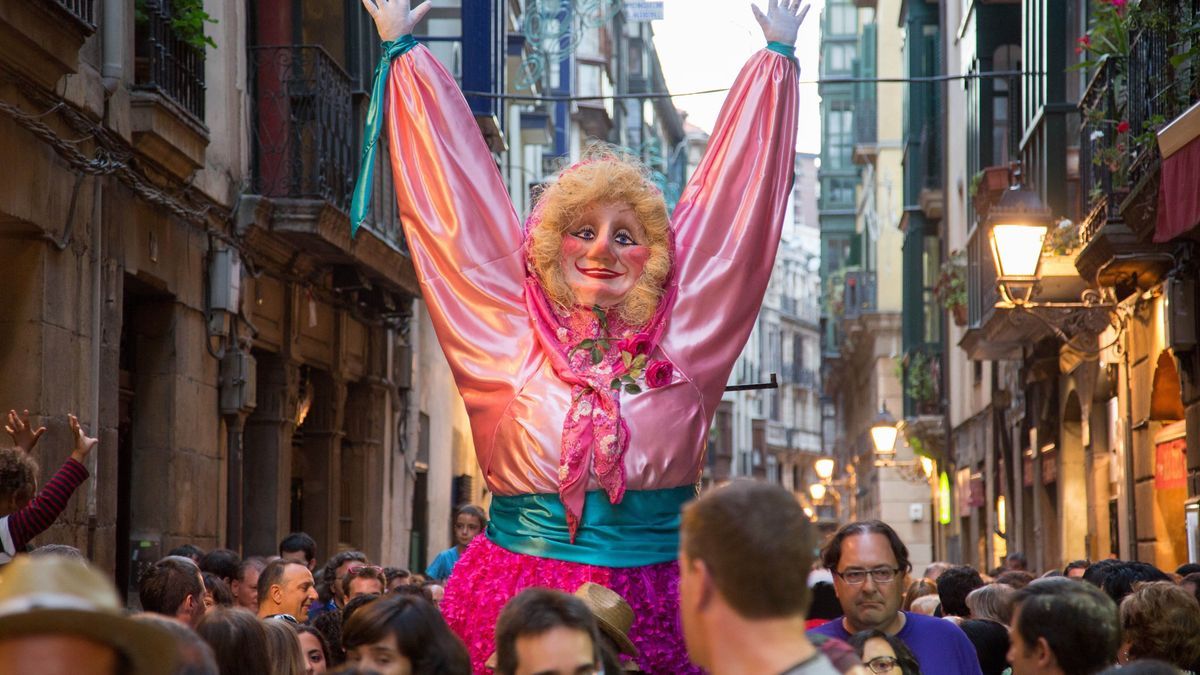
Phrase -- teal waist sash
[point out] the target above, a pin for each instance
(642, 530)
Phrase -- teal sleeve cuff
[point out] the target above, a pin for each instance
(781, 48)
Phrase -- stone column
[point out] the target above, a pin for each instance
(267, 456)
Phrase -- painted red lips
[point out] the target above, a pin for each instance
(598, 272)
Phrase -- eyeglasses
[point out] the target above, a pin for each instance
(881, 664)
(880, 575)
(355, 569)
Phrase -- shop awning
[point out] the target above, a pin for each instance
(1179, 189)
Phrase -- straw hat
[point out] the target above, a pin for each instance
(62, 596)
(613, 614)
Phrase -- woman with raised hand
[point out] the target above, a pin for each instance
(592, 345)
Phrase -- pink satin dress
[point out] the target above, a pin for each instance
(467, 245)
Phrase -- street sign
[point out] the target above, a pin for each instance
(644, 11)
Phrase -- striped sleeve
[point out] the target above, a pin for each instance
(43, 509)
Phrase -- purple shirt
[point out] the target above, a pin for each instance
(941, 647)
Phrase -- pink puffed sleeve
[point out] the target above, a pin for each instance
(728, 223)
(464, 236)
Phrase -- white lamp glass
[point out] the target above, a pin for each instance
(927, 467)
(884, 438)
(824, 468)
(817, 491)
(1017, 249)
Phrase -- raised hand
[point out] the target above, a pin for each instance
(394, 18)
(83, 443)
(23, 434)
(782, 21)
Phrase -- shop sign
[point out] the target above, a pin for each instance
(643, 11)
(1170, 465)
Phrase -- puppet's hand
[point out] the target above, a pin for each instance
(782, 20)
(393, 18)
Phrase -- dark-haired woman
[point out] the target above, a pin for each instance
(238, 640)
(403, 634)
(884, 654)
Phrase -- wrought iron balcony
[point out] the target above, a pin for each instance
(922, 369)
(164, 62)
(866, 130)
(84, 10)
(304, 126)
(859, 296)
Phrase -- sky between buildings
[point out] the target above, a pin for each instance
(702, 44)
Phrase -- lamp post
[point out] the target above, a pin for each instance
(1017, 227)
(884, 433)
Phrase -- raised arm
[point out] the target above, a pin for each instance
(730, 214)
(460, 225)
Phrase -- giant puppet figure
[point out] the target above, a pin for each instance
(592, 344)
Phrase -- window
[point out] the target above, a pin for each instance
(839, 135)
(841, 58)
(843, 19)
(841, 190)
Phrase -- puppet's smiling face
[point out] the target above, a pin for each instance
(603, 254)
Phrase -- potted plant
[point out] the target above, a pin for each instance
(951, 287)
(921, 373)
(987, 186)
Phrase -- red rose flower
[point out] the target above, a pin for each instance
(635, 345)
(659, 374)
(1123, 127)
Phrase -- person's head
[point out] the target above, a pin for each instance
(469, 521)
(1187, 568)
(363, 580)
(245, 583)
(190, 551)
(992, 602)
(18, 479)
(195, 656)
(283, 648)
(395, 577)
(330, 625)
(929, 605)
(58, 550)
(1017, 579)
(953, 586)
(434, 592)
(238, 640)
(990, 640)
(1063, 627)
(935, 569)
(1016, 561)
(1120, 579)
(355, 604)
(63, 616)
(1161, 621)
(546, 632)
(824, 603)
(216, 593)
(173, 587)
(403, 634)
(602, 237)
(1191, 584)
(221, 562)
(285, 588)
(870, 566)
(884, 654)
(299, 547)
(1075, 569)
(917, 589)
(314, 648)
(1096, 572)
(331, 575)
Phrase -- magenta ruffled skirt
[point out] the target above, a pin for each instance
(488, 576)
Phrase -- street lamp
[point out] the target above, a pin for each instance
(824, 468)
(1017, 227)
(817, 491)
(884, 432)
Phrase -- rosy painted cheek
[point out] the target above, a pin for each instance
(636, 256)
(572, 247)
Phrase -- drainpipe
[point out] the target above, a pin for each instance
(112, 34)
(1131, 497)
(94, 385)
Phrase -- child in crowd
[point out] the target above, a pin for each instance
(469, 521)
(23, 515)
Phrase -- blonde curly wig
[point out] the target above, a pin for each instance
(604, 176)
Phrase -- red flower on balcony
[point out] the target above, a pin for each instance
(1123, 127)
(1085, 42)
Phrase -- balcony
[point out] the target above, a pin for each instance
(168, 95)
(304, 163)
(922, 380)
(929, 167)
(859, 294)
(1121, 173)
(866, 131)
(41, 38)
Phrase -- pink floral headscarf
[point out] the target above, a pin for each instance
(595, 436)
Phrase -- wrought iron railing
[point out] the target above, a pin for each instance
(931, 157)
(84, 10)
(866, 126)
(304, 125)
(859, 296)
(922, 369)
(166, 63)
(981, 278)
(1101, 168)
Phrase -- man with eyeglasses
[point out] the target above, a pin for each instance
(870, 570)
